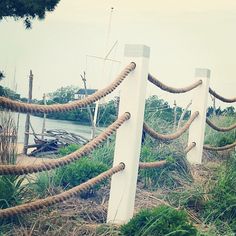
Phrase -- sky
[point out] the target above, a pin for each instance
(182, 35)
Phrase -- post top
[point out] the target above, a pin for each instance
(202, 72)
(136, 50)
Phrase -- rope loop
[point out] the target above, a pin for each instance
(16, 106)
(171, 89)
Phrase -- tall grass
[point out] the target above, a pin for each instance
(216, 138)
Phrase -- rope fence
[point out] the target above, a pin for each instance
(155, 164)
(49, 165)
(196, 132)
(16, 106)
(177, 134)
(49, 201)
(190, 147)
(164, 87)
(223, 148)
(220, 129)
(223, 99)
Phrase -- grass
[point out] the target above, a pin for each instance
(218, 139)
(208, 196)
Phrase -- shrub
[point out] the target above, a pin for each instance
(68, 149)
(78, 173)
(160, 221)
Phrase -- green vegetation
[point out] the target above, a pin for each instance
(12, 191)
(211, 200)
(2, 76)
(44, 184)
(163, 220)
(6, 92)
(221, 207)
(214, 201)
(175, 173)
(26, 10)
(78, 173)
(68, 149)
(219, 139)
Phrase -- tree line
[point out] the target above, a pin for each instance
(108, 111)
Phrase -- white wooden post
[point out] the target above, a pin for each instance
(128, 137)
(199, 103)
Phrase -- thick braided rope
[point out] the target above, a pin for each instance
(33, 108)
(49, 201)
(189, 147)
(49, 165)
(172, 136)
(155, 164)
(221, 129)
(171, 89)
(226, 147)
(216, 95)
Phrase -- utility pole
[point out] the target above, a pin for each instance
(27, 121)
(88, 107)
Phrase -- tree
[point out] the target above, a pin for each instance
(26, 9)
(64, 94)
(2, 76)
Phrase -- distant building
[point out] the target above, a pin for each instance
(82, 93)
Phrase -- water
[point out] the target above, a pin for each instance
(37, 124)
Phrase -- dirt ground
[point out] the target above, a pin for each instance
(26, 160)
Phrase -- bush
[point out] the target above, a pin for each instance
(68, 149)
(78, 173)
(162, 220)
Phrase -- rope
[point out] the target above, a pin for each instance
(228, 100)
(144, 165)
(171, 89)
(221, 129)
(49, 201)
(87, 148)
(189, 147)
(172, 136)
(33, 108)
(226, 147)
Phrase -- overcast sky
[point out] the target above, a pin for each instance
(182, 35)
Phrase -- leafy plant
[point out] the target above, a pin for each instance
(12, 193)
(163, 220)
(78, 173)
(12, 190)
